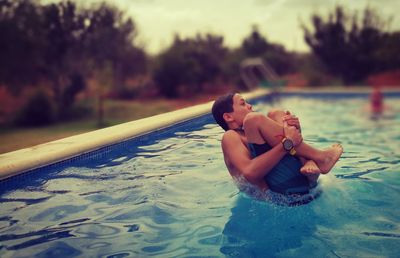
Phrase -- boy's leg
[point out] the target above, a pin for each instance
(309, 166)
(277, 115)
(260, 128)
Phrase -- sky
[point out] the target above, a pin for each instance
(278, 20)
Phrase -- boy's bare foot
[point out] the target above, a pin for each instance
(331, 156)
(310, 167)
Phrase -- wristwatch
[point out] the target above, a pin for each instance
(288, 146)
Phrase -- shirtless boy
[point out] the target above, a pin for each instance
(276, 165)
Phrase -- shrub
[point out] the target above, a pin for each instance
(38, 110)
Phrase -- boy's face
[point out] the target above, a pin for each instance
(240, 109)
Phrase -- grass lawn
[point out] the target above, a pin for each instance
(116, 112)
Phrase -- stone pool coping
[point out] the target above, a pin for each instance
(23, 160)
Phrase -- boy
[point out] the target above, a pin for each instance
(267, 153)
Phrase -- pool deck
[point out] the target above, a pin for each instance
(20, 161)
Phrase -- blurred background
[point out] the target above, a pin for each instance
(68, 67)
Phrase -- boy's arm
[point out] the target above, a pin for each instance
(238, 157)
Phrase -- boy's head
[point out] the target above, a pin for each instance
(229, 111)
(223, 104)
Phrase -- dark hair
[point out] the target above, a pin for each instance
(223, 104)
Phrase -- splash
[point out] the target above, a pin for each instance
(276, 198)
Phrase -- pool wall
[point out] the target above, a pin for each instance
(28, 159)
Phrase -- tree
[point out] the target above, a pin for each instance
(188, 64)
(62, 27)
(347, 45)
(256, 45)
(387, 56)
(63, 46)
(109, 37)
(40, 43)
(108, 44)
(20, 24)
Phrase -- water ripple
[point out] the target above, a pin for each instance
(74, 221)
(358, 175)
(10, 221)
(120, 255)
(47, 237)
(381, 234)
(27, 201)
(43, 236)
(57, 213)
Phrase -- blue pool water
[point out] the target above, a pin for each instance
(169, 194)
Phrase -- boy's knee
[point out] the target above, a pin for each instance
(252, 119)
(275, 114)
(254, 116)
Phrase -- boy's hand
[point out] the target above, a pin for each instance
(292, 133)
(292, 120)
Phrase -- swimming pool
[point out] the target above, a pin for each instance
(169, 194)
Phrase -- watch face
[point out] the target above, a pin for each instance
(287, 144)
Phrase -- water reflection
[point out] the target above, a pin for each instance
(259, 229)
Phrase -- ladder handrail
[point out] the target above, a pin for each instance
(247, 68)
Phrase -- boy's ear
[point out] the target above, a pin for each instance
(227, 117)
